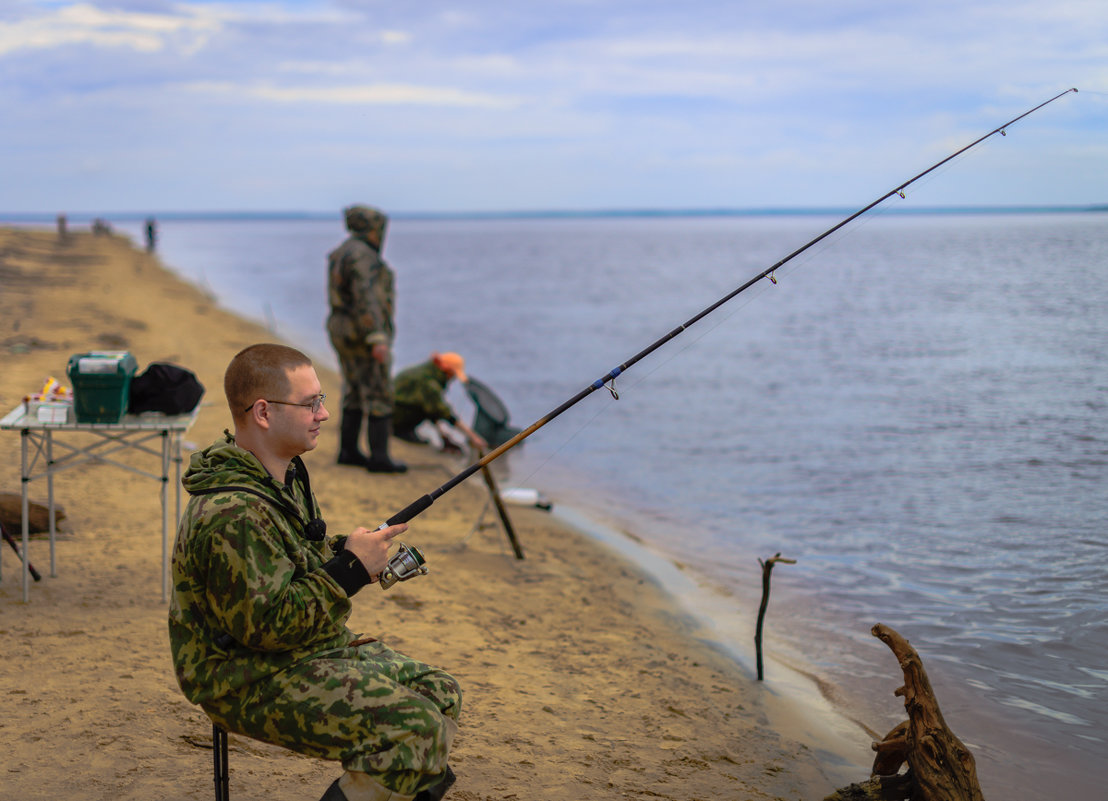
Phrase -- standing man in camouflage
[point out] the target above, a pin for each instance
(261, 597)
(361, 288)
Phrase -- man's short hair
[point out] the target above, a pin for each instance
(260, 371)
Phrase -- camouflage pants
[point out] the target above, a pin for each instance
(374, 709)
(366, 382)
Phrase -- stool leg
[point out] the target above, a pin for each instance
(219, 757)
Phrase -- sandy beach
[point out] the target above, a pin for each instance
(581, 678)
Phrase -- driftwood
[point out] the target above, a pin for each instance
(939, 766)
(38, 515)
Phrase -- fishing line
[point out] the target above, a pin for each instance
(608, 381)
(785, 271)
(725, 317)
(641, 379)
(756, 293)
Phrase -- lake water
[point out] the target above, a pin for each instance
(917, 413)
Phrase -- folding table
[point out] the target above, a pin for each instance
(152, 433)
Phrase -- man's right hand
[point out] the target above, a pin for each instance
(380, 353)
(371, 546)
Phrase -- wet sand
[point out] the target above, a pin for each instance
(582, 678)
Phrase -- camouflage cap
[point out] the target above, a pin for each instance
(365, 219)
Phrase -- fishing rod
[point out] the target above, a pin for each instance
(409, 562)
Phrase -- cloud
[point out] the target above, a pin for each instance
(367, 94)
(709, 101)
(86, 24)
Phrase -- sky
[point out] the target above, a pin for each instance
(425, 106)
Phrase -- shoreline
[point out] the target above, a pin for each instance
(796, 705)
(581, 676)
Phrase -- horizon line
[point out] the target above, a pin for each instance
(534, 214)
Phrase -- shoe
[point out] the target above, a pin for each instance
(363, 787)
(437, 791)
(355, 459)
(334, 793)
(390, 466)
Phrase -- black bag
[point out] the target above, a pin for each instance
(165, 388)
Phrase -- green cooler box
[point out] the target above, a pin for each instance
(101, 383)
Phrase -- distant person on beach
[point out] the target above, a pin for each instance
(361, 290)
(420, 395)
(151, 234)
(261, 596)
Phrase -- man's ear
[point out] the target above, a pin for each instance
(259, 415)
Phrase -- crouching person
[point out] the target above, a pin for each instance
(261, 595)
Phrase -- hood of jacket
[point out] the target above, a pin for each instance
(224, 463)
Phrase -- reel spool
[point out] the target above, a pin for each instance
(406, 564)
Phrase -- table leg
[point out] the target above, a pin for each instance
(50, 499)
(26, 521)
(177, 459)
(165, 515)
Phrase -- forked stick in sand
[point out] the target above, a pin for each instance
(767, 567)
(940, 767)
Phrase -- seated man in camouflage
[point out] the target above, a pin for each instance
(261, 596)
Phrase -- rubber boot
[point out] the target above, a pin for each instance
(378, 430)
(349, 432)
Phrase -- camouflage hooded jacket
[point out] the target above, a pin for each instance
(251, 595)
(418, 391)
(361, 290)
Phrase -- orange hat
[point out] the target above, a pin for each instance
(452, 364)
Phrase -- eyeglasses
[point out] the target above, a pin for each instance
(315, 404)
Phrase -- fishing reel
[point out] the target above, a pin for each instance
(406, 564)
